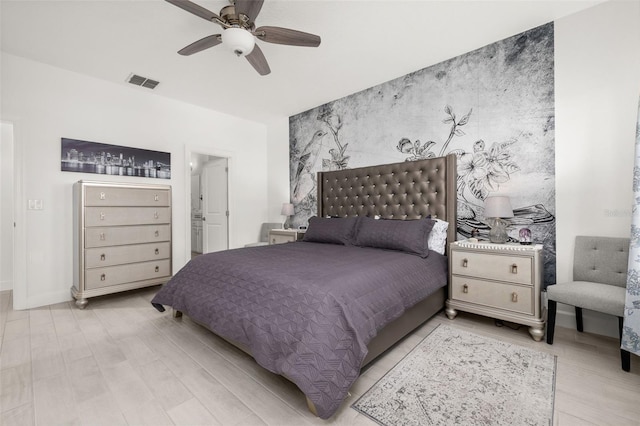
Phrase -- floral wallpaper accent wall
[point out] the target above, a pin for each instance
(631, 328)
(492, 107)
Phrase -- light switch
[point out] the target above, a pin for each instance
(35, 205)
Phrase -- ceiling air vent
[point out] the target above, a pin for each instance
(142, 81)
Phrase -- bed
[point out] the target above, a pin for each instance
(317, 311)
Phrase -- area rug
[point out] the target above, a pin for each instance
(455, 377)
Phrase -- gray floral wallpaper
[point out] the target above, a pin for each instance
(492, 107)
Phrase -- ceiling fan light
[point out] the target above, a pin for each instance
(238, 40)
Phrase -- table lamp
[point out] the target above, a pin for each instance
(288, 211)
(497, 207)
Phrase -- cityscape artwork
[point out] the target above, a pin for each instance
(105, 159)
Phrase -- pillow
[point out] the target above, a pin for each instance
(331, 230)
(410, 236)
(438, 236)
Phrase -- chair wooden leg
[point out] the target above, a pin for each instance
(551, 320)
(625, 356)
(579, 319)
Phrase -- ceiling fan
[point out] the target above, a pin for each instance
(239, 32)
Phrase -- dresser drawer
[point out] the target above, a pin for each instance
(113, 275)
(498, 295)
(114, 196)
(122, 235)
(99, 257)
(114, 216)
(503, 267)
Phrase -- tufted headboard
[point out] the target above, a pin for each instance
(406, 190)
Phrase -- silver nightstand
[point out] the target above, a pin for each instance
(279, 236)
(501, 281)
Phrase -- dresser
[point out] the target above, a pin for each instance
(122, 237)
(279, 236)
(502, 281)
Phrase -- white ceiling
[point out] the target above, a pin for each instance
(364, 43)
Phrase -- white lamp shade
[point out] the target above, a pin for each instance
(497, 206)
(287, 209)
(238, 40)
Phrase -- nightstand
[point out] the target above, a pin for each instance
(501, 281)
(279, 236)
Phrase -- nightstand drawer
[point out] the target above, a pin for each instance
(488, 293)
(510, 268)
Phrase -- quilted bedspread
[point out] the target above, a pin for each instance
(305, 310)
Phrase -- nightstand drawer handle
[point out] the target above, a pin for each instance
(103, 237)
(103, 196)
(464, 263)
(103, 277)
(157, 251)
(101, 216)
(273, 241)
(514, 269)
(156, 215)
(155, 197)
(157, 233)
(465, 288)
(514, 297)
(157, 269)
(103, 257)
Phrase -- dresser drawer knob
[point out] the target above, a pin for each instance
(157, 251)
(103, 277)
(156, 215)
(101, 216)
(103, 257)
(465, 288)
(155, 197)
(157, 269)
(465, 262)
(514, 297)
(273, 241)
(514, 269)
(157, 233)
(103, 196)
(102, 236)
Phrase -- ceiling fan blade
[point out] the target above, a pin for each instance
(280, 35)
(195, 9)
(258, 61)
(202, 44)
(251, 8)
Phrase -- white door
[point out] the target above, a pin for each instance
(215, 226)
(6, 206)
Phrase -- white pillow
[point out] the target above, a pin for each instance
(438, 236)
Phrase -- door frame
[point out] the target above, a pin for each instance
(213, 152)
(20, 293)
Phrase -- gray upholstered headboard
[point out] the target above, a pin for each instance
(406, 190)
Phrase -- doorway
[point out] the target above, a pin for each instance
(209, 203)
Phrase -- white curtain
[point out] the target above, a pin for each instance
(631, 330)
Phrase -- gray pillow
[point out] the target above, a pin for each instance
(331, 230)
(410, 236)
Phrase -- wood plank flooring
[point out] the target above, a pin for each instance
(120, 362)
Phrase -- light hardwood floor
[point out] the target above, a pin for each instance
(121, 362)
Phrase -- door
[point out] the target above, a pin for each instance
(215, 211)
(6, 206)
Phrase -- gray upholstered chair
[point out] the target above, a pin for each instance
(599, 283)
(264, 233)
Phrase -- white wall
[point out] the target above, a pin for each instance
(597, 79)
(47, 103)
(597, 92)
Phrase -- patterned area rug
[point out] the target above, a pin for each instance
(454, 377)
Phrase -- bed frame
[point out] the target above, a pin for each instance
(406, 190)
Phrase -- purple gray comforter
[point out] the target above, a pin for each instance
(305, 310)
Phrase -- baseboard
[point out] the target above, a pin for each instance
(593, 322)
(6, 285)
